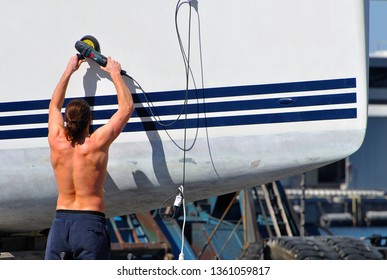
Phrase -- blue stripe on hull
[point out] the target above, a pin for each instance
(208, 122)
(247, 120)
(193, 94)
(229, 106)
(205, 107)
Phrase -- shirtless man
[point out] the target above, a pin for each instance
(79, 161)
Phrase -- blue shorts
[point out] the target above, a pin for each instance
(78, 235)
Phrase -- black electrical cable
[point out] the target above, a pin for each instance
(154, 110)
(187, 69)
(203, 92)
(188, 72)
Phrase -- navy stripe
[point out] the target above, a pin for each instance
(251, 90)
(272, 103)
(24, 105)
(23, 133)
(193, 94)
(223, 106)
(247, 120)
(29, 119)
(209, 122)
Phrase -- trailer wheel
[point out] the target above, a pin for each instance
(320, 248)
(350, 248)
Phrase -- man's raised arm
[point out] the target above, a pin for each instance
(55, 118)
(117, 122)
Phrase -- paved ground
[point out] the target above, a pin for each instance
(22, 255)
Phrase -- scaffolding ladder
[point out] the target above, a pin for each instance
(283, 220)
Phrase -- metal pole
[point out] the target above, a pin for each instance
(217, 225)
(302, 205)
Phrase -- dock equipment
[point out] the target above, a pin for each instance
(138, 236)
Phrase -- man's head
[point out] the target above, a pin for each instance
(77, 118)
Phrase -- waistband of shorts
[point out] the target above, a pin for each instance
(80, 214)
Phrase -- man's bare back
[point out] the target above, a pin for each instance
(80, 172)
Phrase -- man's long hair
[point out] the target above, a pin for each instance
(77, 116)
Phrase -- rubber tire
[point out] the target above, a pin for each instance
(320, 248)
